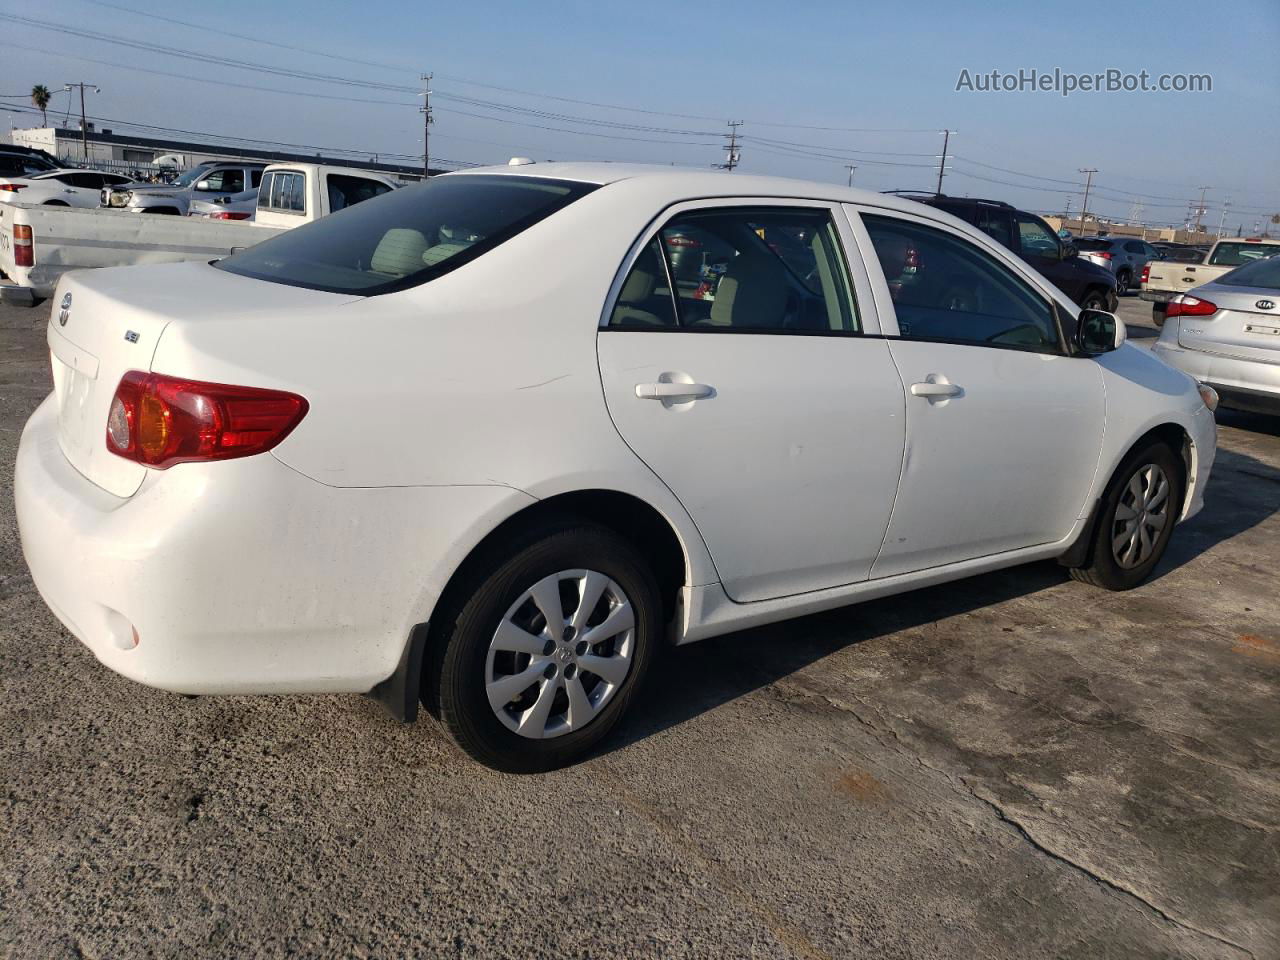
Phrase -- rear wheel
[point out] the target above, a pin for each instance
(1123, 279)
(1158, 313)
(1136, 519)
(548, 649)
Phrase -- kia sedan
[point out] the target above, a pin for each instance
(1227, 334)
(469, 442)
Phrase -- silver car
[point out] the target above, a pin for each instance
(1227, 334)
(1123, 256)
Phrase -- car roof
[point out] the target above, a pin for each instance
(695, 182)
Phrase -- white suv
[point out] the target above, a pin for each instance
(469, 441)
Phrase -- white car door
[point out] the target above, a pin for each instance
(738, 367)
(1004, 427)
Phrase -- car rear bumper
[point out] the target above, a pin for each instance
(1157, 296)
(242, 576)
(1241, 384)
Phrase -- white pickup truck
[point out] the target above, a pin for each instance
(1162, 280)
(38, 243)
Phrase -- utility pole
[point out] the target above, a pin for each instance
(1200, 209)
(732, 155)
(1222, 220)
(426, 124)
(852, 168)
(1088, 182)
(84, 127)
(942, 161)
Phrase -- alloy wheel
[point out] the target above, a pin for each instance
(1141, 516)
(560, 654)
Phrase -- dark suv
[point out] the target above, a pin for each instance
(1034, 241)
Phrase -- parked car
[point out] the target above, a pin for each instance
(59, 188)
(1123, 256)
(23, 161)
(1163, 280)
(238, 206)
(39, 244)
(465, 442)
(207, 181)
(1226, 333)
(1027, 235)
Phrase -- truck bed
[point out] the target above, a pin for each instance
(66, 238)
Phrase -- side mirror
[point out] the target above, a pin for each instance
(204, 185)
(1070, 250)
(1099, 332)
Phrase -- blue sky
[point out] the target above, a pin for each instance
(885, 73)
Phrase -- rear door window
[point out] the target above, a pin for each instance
(734, 270)
(405, 237)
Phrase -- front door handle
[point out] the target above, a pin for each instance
(933, 390)
(673, 391)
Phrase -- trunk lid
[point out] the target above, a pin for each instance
(1242, 328)
(107, 322)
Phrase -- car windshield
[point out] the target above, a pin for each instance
(192, 175)
(406, 237)
(1259, 273)
(1093, 243)
(1239, 252)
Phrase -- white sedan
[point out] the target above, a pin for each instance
(477, 441)
(59, 188)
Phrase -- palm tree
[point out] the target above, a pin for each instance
(40, 97)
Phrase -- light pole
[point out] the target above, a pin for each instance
(851, 168)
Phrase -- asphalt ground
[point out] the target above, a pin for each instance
(1015, 765)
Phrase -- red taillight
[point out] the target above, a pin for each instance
(1146, 273)
(159, 421)
(24, 251)
(228, 215)
(13, 187)
(1102, 254)
(1185, 305)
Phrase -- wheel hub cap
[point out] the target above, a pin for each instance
(1141, 516)
(560, 653)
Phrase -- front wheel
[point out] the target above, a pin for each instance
(549, 649)
(1137, 515)
(1122, 283)
(1094, 300)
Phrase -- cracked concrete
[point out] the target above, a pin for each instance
(1012, 766)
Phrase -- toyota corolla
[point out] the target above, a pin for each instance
(477, 443)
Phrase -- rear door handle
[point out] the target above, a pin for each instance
(673, 391)
(930, 389)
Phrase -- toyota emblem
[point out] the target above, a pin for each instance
(1265, 304)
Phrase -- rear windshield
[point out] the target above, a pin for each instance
(408, 236)
(1092, 243)
(1259, 273)
(1234, 254)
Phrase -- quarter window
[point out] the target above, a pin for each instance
(945, 288)
(753, 270)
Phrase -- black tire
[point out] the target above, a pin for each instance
(55, 203)
(1104, 568)
(1158, 313)
(1094, 299)
(1123, 279)
(461, 646)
